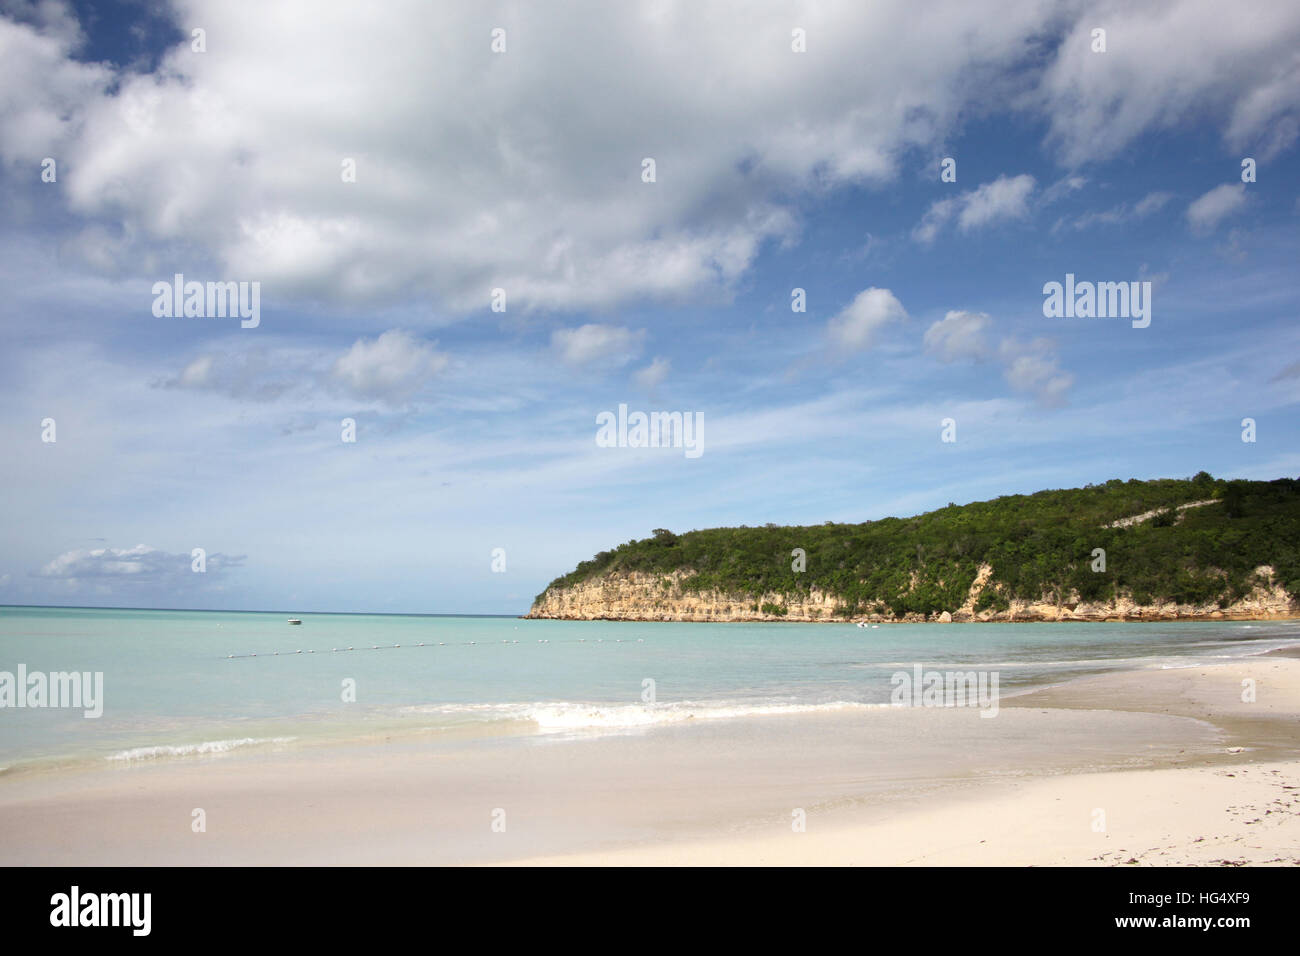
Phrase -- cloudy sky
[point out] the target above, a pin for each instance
(380, 174)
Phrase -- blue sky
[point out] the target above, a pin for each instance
(522, 170)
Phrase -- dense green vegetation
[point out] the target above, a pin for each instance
(1040, 547)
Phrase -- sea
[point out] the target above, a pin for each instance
(180, 685)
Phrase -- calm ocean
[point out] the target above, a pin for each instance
(172, 690)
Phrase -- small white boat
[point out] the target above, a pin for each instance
(294, 620)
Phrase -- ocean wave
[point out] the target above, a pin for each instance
(559, 716)
(1006, 665)
(588, 717)
(189, 750)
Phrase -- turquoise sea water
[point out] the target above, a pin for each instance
(173, 690)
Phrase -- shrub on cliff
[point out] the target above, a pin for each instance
(1040, 546)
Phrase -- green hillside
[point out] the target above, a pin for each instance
(1039, 546)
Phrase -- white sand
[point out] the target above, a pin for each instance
(895, 787)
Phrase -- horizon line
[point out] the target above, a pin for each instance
(214, 610)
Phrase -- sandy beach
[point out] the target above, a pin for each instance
(1144, 767)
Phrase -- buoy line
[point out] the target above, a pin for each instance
(389, 647)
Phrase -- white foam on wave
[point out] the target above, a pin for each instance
(190, 750)
(559, 716)
(599, 717)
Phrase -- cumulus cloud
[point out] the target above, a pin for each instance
(522, 170)
(1004, 198)
(392, 367)
(475, 170)
(958, 336)
(1031, 367)
(654, 373)
(593, 344)
(1206, 212)
(855, 327)
(1169, 64)
(43, 89)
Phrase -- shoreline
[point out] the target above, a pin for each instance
(1148, 619)
(723, 792)
(1238, 805)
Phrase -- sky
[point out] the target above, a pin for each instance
(458, 245)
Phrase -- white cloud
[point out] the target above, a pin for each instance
(522, 170)
(932, 223)
(392, 367)
(478, 170)
(139, 565)
(1034, 367)
(592, 344)
(42, 90)
(1173, 63)
(198, 374)
(958, 336)
(1206, 212)
(1151, 202)
(856, 325)
(1004, 198)
(1063, 187)
(654, 373)
(1116, 215)
(253, 374)
(1031, 367)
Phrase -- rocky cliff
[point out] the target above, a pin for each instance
(1157, 549)
(636, 596)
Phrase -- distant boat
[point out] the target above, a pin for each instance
(294, 620)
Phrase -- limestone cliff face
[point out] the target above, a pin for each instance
(636, 596)
(659, 597)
